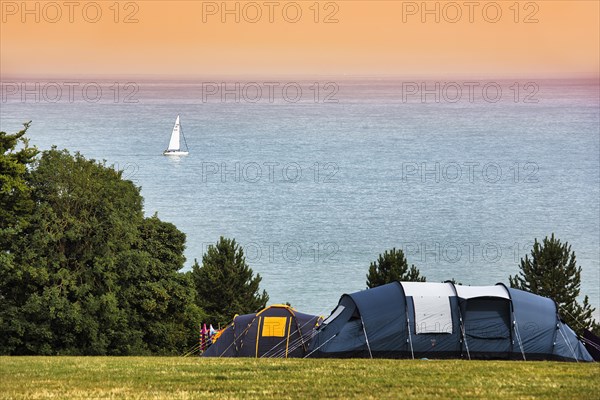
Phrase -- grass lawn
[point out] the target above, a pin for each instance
(188, 378)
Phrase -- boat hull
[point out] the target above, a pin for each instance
(175, 153)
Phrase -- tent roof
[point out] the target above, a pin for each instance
(469, 292)
(427, 289)
(284, 306)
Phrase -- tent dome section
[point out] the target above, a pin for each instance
(486, 321)
(536, 320)
(340, 331)
(382, 326)
(371, 320)
(386, 322)
(433, 321)
(443, 320)
(541, 332)
(568, 347)
(276, 331)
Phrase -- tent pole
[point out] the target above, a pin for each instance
(257, 336)
(412, 352)
(462, 325)
(568, 344)
(464, 334)
(518, 335)
(366, 338)
(514, 321)
(287, 343)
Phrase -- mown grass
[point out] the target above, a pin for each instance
(189, 378)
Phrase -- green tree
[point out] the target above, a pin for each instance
(453, 281)
(16, 203)
(225, 284)
(552, 272)
(16, 206)
(392, 266)
(66, 282)
(160, 300)
(89, 274)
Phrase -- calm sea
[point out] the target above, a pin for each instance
(316, 178)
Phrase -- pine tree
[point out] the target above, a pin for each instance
(225, 284)
(552, 272)
(392, 266)
(453, 281)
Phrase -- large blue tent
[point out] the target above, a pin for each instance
(443, 320)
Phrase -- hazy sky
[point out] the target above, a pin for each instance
(194, 38)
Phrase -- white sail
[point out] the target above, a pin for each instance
(174, 142)
(174, 148)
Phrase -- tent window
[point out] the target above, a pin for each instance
(334, 314)
(432, 314)
(274, 326)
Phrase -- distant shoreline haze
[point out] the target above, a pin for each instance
(588, 78)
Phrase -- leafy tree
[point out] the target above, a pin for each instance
(225, 284)
(15, 195)
(16, 206)
(160, 300)
(392, 266)
(66, 282)
(552, 272)
(89, 274)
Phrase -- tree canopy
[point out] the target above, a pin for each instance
(15, 194)
(87, 272)
(392, 266)
(552, 271)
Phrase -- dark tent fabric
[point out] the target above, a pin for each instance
(443, 320)
(276, 331)
(592, 344)
(487, 326)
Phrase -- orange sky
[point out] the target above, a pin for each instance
(171, 39)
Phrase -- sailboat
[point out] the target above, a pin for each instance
(174, 148)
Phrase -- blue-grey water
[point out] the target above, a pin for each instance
(316, 189)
